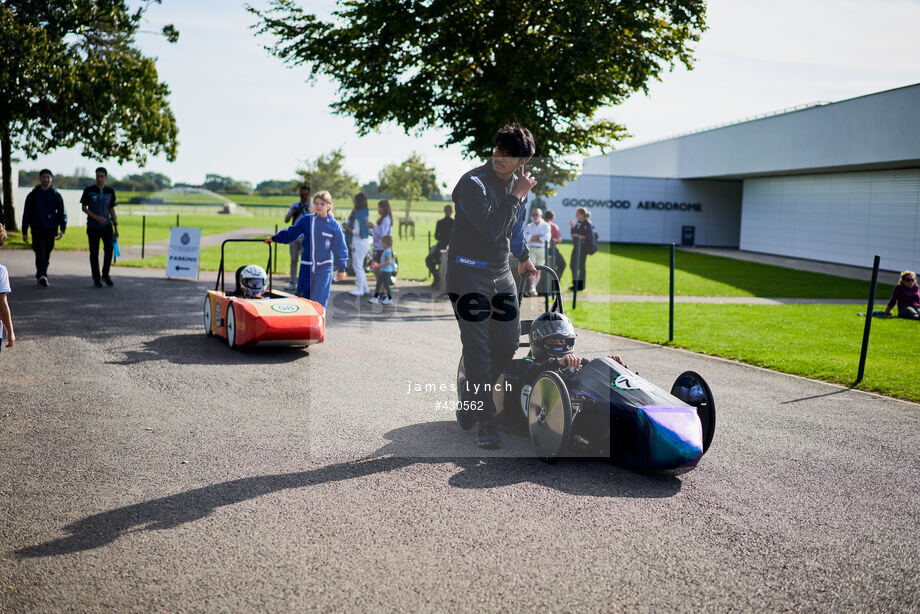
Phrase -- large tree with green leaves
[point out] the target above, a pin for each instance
(410, 180)
(470, 66)
(328, 173)
(71, 76)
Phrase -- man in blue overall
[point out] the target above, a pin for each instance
(323, 247)
(491, 205)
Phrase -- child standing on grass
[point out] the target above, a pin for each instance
(6, 320)
(387, 269)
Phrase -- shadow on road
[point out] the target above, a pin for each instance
(198, 349)
(592, 478)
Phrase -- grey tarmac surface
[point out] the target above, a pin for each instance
(146, 467)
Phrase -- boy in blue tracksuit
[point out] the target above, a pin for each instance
(323, 248)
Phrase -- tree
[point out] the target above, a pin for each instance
(71, 76)
(277, 187)
(410, 180)
(470, 66)
(328, 173)
(225, 185)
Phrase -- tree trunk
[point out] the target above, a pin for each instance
(9, 215)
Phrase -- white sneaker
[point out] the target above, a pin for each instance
(386, 301)
(43, 281)
(356, 292)
(291, 286)
(373, 300)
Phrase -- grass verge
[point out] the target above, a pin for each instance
(816, 341)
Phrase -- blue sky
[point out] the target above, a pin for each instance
(243, 113)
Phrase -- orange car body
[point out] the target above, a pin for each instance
(282, 319)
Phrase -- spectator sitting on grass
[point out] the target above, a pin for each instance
(907, 295)
(6, 320)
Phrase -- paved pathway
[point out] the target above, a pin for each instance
(146, 467)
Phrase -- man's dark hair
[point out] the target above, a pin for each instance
(101, 169)
(516, 140)
(304, 186)
(43, 171)
(549, 215)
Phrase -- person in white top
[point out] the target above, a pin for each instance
(6, 320)
(298, 209)
(360, 243)
(537, 234)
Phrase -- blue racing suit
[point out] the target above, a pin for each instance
(323, 247)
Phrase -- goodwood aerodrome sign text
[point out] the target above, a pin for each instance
(648, 205)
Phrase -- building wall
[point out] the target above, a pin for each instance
(878, 130)
(643, 210)
(840, 217)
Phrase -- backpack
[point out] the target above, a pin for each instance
(593, 238)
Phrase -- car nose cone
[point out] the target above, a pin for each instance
(674, 436)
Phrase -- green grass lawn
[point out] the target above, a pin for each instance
(817, 341)
(615, 269)
(643, 270)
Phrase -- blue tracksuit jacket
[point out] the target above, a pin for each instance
(323, 248)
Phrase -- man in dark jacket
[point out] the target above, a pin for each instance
(491, 204)
(44, 214)
(442, 231)
(99, 203)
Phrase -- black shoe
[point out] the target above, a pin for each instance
(43, 281)
(108, 281)
(487, 435)
(97, 283)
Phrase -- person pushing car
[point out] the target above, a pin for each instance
(323, 249)
(491, 203)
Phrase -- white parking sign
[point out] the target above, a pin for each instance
(184, 246)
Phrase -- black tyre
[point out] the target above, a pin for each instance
(549, 416)
(231, 327)
(208, 316)
(465, 418)
(692, 389)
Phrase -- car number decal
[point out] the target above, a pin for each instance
(285, 308)
(624, 383)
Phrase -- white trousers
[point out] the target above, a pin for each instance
(361, 247)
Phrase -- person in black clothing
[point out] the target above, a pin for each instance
(442, 232)
(44, 213)
(583, 238)
(491, 205)
(99, 205)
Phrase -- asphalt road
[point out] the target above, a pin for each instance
(145, 467)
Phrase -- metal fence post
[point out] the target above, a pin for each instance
(143, 234)
(177, 219)
(275, 265)
(429, 254)
(869, 308)
(671, 301)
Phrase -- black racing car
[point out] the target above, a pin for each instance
(601, 409)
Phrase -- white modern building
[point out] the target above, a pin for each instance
(836, 182)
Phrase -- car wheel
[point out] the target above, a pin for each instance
(692, 389)
(231, 327)
(549, 416)
(466, 418)
(207, 316)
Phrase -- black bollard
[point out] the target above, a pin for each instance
(869, 308)
(671, 302)
(143, 233)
